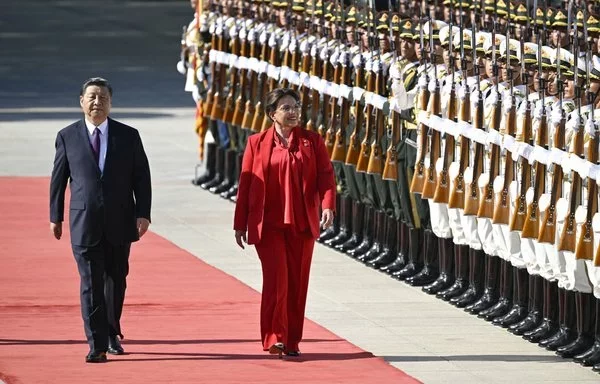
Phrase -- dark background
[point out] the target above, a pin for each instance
(48, 48)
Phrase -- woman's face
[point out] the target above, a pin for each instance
(287, 113)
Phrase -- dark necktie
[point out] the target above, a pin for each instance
(96, 144)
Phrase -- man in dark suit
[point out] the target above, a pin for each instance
(105, 163)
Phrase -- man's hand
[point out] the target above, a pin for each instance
(239, 236)
(142, 226)
(326, 218)
(56, 229)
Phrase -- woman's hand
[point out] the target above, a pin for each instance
(240, 238)
(326, 218)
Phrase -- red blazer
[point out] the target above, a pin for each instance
(318, 181)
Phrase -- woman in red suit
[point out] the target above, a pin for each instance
(286, 178)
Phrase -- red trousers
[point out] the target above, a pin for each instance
(285, 258)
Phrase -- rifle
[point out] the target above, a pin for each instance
(233, 77)
(293, 48)
(353, 152)
(434, 109)
(274, 61)
(326, 75)
(375, 164)
(390, 168)
(240, 102)
(365, 147)
(472, 197)
(567, 240)
(315, 70)
(339, 152)
(250, 109)
(585, 245)
(486, 205)
(457, 192)
(418, 179)
(531, 225)
(442, 188)
(517, 221)
(287, 54)
(259, 110)
(548, 226)
(306, 68)
(217, 110)
(214, 45)
(333, 102)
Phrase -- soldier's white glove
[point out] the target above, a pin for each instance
(181, 67)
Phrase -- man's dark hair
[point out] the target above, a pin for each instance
(273, 97)
(97, 81)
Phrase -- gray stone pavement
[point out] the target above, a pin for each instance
(425, 337)
(50, 47)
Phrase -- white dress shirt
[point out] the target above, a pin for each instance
(103, 140)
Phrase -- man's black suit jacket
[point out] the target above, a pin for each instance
(102, 204)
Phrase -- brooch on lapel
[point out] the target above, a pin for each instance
(305, 142)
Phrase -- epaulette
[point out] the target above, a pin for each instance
(410, 78)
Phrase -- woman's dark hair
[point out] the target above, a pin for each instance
(273, 97)
(97, 81)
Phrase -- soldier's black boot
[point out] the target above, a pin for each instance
(566, 333)
(228, 180)
(219, 170)
(357, 217)
(231, 193)
(333, 230)
(549, 324)
(388, 254)
(490, 294)
(367, 234)
(345, 223)
(519, 309)
(504, 303)
(430, 271)
(378, 236)
(476, 279)
(446, 278)
(461, 270)
(585, 319)
(415, 261)
(402, 249)
(210, 157)
(534, 317)
(592, 355)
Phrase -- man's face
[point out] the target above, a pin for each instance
(515, 70)
(282, 17)
(447, 59)
(95, 103)
(560, 38)
(489, 68)
(384, 43)
(407, 49)
(350, 34)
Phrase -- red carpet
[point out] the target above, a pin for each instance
(184, 321)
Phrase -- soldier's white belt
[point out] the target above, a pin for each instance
(300, 79)
(530, 153)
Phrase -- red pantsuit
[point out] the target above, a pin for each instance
(280, 192)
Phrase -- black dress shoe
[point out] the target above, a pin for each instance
(546, 329)
(96, 357)
(292, 353)
(590, 357)
(580, 345)
(114, 346)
